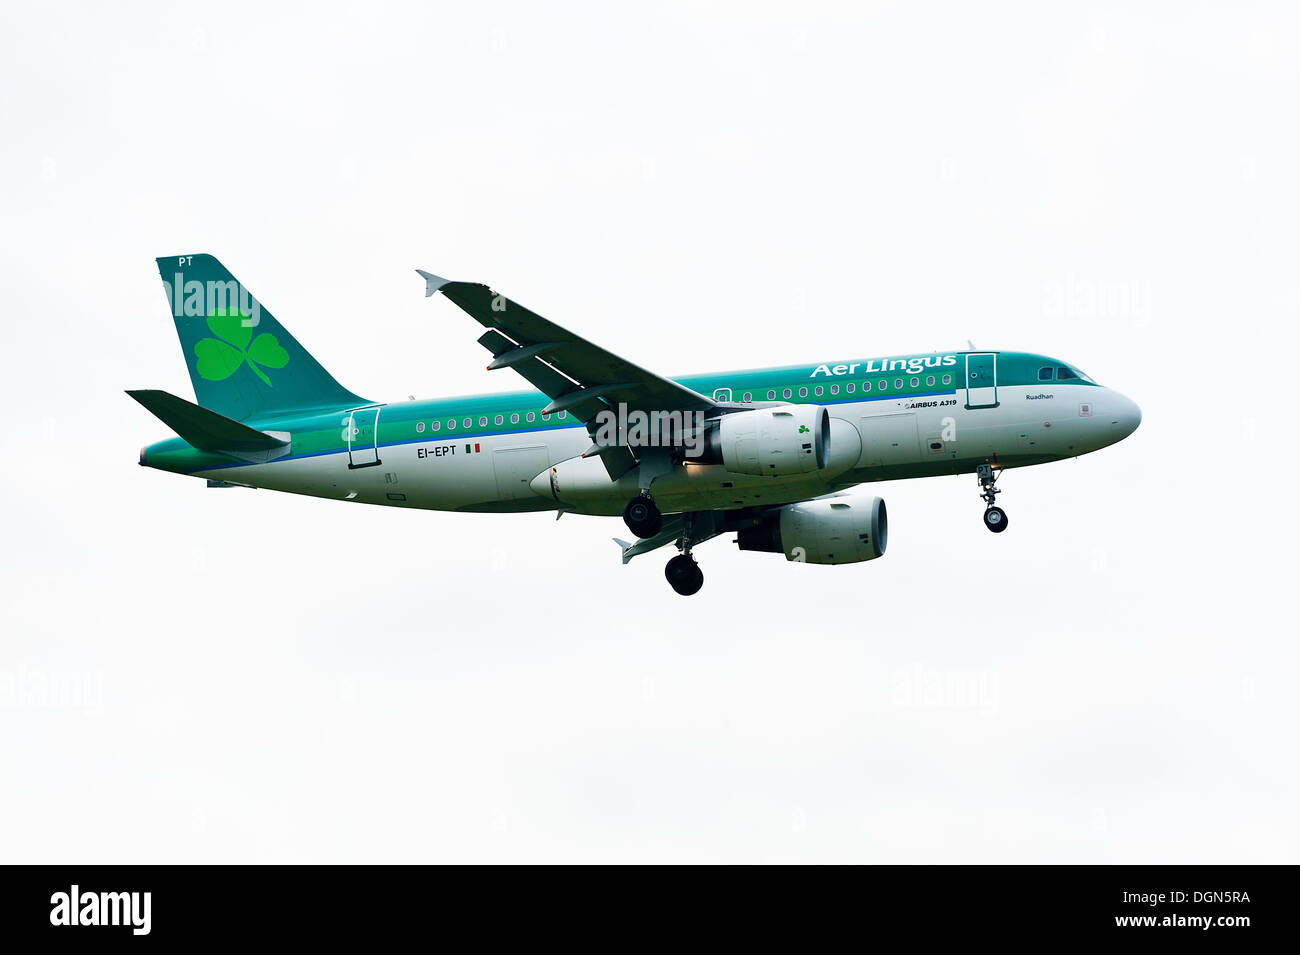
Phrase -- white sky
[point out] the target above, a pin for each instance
(195, 675)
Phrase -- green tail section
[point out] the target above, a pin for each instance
(243, 363)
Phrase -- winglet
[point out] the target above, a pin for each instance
(431, 282)
(625, 547)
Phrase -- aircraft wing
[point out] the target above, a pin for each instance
(579, 377)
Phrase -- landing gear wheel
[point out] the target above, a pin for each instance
(684, 575)
(642, 517)
(995, 519)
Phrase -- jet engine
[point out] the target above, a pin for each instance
(836, 530)
(782, 441)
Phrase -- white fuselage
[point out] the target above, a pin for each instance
(870, 441)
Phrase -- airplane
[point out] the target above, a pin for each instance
(768, 454)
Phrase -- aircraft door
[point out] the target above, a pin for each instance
(363, 438)
(982, 380)
(515, 468)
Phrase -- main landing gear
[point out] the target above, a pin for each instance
(684, 531)
(995, 519)
(642, 517)
(684, 575)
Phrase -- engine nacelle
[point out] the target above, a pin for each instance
(837, 530)
(781, 441)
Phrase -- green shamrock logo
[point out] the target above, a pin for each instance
(803, 428)
(220, 357)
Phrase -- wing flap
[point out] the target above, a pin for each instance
(535, 371)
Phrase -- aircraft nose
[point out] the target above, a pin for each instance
(1125, 416)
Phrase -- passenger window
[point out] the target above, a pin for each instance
(819, 391)
(929, 381)
(545, 416)
(1063, 373)
(787, 392)
(482, 421)
(747, 396)
(850, 387)
(531, 416)
(771, 396)
(500, 420)
(947, 379)
(803, 392)
(436, 426)
(514, 419)
(882, 385)
(898, 384)
(564, 414)
(835, 389)
(915, 382)
(469, 422)
(419, 427)
(1045, 374)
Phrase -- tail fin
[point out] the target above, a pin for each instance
(243, 363)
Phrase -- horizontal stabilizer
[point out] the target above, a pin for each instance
(209, 431)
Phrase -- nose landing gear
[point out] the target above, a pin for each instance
(995, 519)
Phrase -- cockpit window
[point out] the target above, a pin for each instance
(1045, 374)
(1065, 373)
